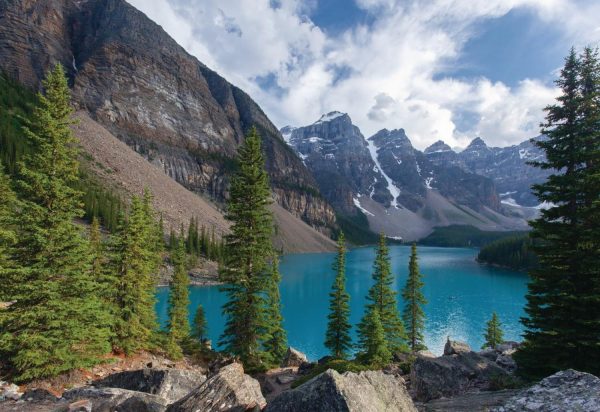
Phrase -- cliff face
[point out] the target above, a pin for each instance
(136, 81)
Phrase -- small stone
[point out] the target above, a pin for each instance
(293, 357)
(82, 405)
(285, 379)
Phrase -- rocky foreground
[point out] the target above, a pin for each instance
(459, 380)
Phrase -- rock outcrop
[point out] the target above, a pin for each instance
(229, 390)
(170, 384)
(115, 399)
(371, 391)
(451, 375)
(564, 391)
(293, 357)
(454, 347)
(135, 80)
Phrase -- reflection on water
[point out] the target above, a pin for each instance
(461, 295)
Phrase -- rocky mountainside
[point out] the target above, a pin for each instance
(506, 166)
(335, 151)
(403, 192)
(137, 82)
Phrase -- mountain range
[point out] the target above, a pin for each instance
(141, 96)
(405, 192)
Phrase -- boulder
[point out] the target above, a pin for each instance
(83, 405)
(38, 394)
(229, 390)
(9, 391)
(432, 378)
(506, 362)
(116, 399)
(171, 384)
(567, 390)
(507, 347)
(454, 347)
(370, 391)
(293, 357)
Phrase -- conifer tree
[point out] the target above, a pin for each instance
(276, 342)
(493, 333)
(375, 350)
(8, 234)
(382, 297)
(57, 322)
(200, 329)
(134, 251)
(101, 271)
(337, 337)
(179, 326)
(246, 268)
(563, 300)
(413, 315)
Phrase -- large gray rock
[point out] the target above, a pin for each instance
(117, 399)
(564, 391)
(454, 347)
(371, 391)
(171, 384)
(294, 357)
(228, 390)
(433, 378)
(9, 391)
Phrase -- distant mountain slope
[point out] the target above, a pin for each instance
(402, 192)
(136, 81)
(128, 172)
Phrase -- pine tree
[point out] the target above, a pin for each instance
(563, 300)
(493, 333)
(276, 343)
(337, 337)
(101, 271)
(179, 326)
(414, 316)
(135, 261)
(246, 267)
(382, 297)
(8, 234)
(200, 330)
(375, 350)
(57, 322)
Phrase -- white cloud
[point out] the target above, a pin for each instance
(384, 75)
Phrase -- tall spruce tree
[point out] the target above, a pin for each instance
(337, 336)
(179, 325)
(134, 252)
(563, 301)
(493, 333)
(382, 297)
(200, 329)
(57, 322)
(245, 271)
(101, 271)
(8, 227)
(413, 315)
(276, 342)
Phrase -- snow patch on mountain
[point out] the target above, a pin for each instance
(359, 206)
(428, 182)
(329, 117)
(392, 188)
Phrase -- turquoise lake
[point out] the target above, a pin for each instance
(461, 295)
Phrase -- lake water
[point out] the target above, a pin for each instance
(461, 296)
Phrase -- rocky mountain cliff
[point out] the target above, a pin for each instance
(136, 81)
(402, 191)
(506, 166)
(336, 153)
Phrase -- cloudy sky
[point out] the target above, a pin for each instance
(441, 69)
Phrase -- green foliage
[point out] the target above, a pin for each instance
(246, 270)
(356, 229)
(374, 345)
(493, 333)
(464, 236)
(134, 261)
(382, 298)
(8, 228)
(339, 365)
(413, 315)
(201, 242)
(337, 336)
(514, 253)
(56, 322)
(179, 326)
(563, 301)
(200, 329)
(276, 341)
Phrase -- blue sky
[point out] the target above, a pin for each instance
(441, 69)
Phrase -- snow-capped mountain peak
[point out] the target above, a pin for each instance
(330, 116)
